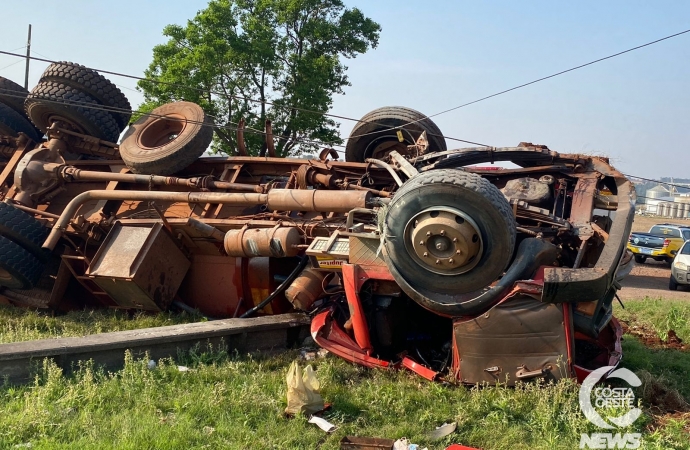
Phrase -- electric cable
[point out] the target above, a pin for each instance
(237, 97)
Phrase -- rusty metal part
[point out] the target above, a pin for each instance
(306, 289)
(139, 267)
(82, 143)
(206, 230)
(316, 200)
(403, 164)
(276, 199)
(241, 147)
(308, 175)
(269, 140)
(383, 165)
(35, 174)
(70, 173)
(326, 152)
(527, 189)
(444, 240)
(32, 210)
(277, 242)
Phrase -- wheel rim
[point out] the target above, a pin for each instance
(444, 240)
(5, 276)
(64, 122)
(162, 131)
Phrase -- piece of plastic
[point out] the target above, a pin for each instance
(302, 390)
(322, 423)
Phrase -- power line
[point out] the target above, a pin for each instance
(113, 109)
(658, 181)
(10, 65)
(246, 99)
(536, 81)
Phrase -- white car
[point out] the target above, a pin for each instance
(680, 269)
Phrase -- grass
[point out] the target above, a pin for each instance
(659, 315)
(20, 324)
(236, 402)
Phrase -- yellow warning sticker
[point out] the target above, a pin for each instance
(400, 136)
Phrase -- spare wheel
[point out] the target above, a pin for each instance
(390, 128)
(168, 139)
(448, 235)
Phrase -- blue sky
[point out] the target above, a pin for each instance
(437, 54)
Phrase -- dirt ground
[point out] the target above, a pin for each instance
(651, 278)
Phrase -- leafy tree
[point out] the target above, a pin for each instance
(259, 60)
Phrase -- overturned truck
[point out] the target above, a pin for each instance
(405, 255)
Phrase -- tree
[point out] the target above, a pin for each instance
(259, 60)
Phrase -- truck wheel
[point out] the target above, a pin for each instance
(373, 138)
(165, 145)
(448, 233)
(93, 84)
(12, 95)
(12, 123)
(51, 102)
(672, 284)
(640, 259)
(23, 229)
(19, 269)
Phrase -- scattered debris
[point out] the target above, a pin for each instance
(312, 354)
(322, 423)
(183, 368)
(443, 431)
(151, 365)
(365, 443)
(303, 390)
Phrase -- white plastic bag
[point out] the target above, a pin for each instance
(302, 390)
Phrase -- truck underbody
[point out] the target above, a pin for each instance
(434, 260)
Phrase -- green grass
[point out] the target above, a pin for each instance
(659, 315)
(237, 401)
(19, 324)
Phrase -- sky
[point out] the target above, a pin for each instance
(435, 55)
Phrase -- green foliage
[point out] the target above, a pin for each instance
(287, 52)
(661, 315)
(20, 324)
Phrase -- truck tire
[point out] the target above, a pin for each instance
(24, 229)
(51, 101)
(165, 145)
(19, 269)
(93, 84)
(672, 284)
(448, 233)
(12, 95)
(373, 138)
(12, 123)
(640, 259)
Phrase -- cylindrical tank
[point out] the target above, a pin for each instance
(684, 210)
(252, 242)
(306, 289)
(674, 210)
(662, 209)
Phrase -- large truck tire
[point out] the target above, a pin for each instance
(448, 233)
(12, 95)
(168, 140)
(12, 123)
(51, 101)
(23, 229)
(93, 84)
(19, 269)
(380, 131)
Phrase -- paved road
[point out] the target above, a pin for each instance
(650, 280)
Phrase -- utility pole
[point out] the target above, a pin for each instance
(28, 58)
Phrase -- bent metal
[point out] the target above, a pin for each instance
(407, 255)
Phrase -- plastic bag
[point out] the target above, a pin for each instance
(303, 390)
